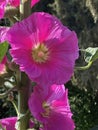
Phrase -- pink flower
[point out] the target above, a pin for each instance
(15, 3)
(51, 108)
(3, 33)
(9, 123)
(45, 49)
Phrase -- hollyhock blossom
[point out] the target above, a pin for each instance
(51, 109)
(9, 123)
(3, 33)
(45, 49)
(14, 3)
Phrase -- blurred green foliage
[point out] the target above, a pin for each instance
(84, 105)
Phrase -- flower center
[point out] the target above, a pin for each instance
(46, 107)
(40, 53)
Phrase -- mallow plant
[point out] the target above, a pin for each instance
(37, 59)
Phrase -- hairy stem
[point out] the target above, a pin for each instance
(23, 96)
(25, 9)
(84, 67)
(24, 88)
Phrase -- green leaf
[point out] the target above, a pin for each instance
(3, 50)
(91, 54)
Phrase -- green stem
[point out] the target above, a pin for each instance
(25, 83)
(25, 9)
(23, 96)
(84, 67)
(15, 106)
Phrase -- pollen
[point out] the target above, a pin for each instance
(40, 53)
(46, 108)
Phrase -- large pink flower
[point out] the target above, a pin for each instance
(44, 48)
(51, 108)
(9, 123)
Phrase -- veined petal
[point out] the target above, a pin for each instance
(26, 59)
(59, 122)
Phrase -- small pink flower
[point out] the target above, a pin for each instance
(51, 108)
(3, 33)
(15, 3)
(9, 123)
(44, 48)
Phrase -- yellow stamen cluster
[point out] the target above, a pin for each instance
(46, 109)
(40, 53)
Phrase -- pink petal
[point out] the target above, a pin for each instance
(2, 6)
(1, 12)
(59, 122)
(35, 103)
(14, 2)
(9, 123)
(3, 34)
(26, 61)
(33, 2)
